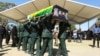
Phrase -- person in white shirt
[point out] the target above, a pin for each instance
(79, 34)
(75, 34)
(96, 32)
(56, 32)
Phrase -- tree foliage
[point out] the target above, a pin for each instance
(72, 26)
(6, 5)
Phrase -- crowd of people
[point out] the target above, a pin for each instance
(6, 32)
(90, 34)
(44, 31)
(35, 32)
(39, 32)
(77, 35)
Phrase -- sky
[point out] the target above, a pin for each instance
(17, 2)
(83, 26)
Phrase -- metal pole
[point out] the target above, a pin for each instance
(79, 26)
(88, 25)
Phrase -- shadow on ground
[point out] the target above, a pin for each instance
(91, 45)
(1, 54)
(4, 50)
(57, 52)
(6, 46)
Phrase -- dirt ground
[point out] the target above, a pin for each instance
(73, 48)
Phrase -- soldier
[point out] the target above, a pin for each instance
(20, 35)
(47, 35)
(40, 33)
(62, 38)
(26, 35)
(34, 38)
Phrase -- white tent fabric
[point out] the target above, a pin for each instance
(78, 12)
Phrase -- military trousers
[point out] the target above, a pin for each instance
(19, 43)
(25, 42)
(47, 43)
(62, 47)
(31, 46)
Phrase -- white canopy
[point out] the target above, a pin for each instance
(78, 12)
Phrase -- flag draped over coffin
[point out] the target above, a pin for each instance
(58, 13)
(41, 12)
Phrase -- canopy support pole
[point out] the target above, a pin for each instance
(79, 26)
(88, 25)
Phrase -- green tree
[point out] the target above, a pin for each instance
(6, 5)
(72, 26)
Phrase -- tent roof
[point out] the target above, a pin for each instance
(77, 12)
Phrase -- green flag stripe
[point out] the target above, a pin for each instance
(41, 12)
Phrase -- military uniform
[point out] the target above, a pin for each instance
(34, 38)
(47, 36)
(40, 33)
(62, 38)
(20, 34)
(26, 34)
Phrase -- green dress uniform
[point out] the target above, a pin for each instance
(34, 38)
(26, 34)
(40, 33)
(47, 36)
(62, 38)
(20, 35)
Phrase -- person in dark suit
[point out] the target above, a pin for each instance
(14, 36)
(89, 35)
(1, 36)
(7, 34)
